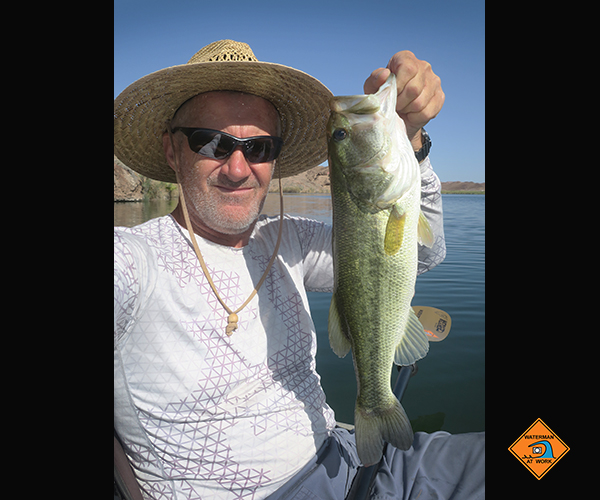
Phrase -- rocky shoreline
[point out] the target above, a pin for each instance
(130, 186)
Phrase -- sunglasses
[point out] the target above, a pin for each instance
(219, 145)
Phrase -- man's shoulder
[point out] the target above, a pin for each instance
(147, 238)
(294, 225)
(310, 230)
(153, 229)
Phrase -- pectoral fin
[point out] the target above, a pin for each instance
(424, 232)
(394, 231)
(337, 339)
(413, 343)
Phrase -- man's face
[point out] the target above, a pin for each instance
(224, 195)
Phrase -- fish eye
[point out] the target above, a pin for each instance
(339, 134)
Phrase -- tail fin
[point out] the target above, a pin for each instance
(372, 429)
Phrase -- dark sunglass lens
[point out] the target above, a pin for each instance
(224, 147)
(255, 151)
(262, 150)
(210, 144)
(199, 139)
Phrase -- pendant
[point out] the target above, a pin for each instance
(231, 324)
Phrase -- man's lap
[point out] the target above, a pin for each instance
(438, 465)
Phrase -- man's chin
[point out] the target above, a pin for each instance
(233, 222)
(234, 218)
(234, 229)
(230, 215)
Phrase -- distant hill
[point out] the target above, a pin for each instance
(316, 180)
(461, 187)
(130, 186)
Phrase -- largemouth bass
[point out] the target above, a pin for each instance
(377, 224)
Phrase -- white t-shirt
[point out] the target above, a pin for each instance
(204, 415)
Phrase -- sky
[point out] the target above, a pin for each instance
(338, 42)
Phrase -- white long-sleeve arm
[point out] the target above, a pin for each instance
(431, 206)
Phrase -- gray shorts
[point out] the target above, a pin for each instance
(438, 465)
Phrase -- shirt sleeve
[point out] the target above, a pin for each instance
(315, 241)
(133, 279)
(431, 206)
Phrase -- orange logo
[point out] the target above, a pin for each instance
(538, 448)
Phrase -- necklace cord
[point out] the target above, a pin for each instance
(233, 318)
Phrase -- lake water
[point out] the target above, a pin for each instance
(448, 390)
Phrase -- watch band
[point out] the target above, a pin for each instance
(424, 151)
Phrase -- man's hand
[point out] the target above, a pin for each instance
(420, 95)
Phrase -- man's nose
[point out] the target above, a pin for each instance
(236, 168)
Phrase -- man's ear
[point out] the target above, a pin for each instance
(169, 150)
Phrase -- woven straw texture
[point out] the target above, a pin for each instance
(144, 109)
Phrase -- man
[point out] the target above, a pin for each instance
(216, 393)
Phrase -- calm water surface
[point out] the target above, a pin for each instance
(448, 391)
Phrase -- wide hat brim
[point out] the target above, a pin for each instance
(144, 109)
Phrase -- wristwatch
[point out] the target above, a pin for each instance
(424, 151)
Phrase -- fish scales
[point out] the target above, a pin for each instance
(375, 186)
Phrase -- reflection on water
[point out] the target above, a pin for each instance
(315, 206)
(134, 213)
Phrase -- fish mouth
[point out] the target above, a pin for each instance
(355, 104)
(341, 104)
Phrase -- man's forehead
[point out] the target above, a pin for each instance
(225, 102)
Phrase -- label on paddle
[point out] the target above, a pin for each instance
(436, 322)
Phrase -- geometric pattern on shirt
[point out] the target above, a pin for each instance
(431, 201)
(204, 452)
(294, 359)
(294, 354)
(211, 442)
(125, 293)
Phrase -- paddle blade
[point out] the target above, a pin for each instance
(436, 322)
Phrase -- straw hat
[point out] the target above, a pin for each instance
(144, 109)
